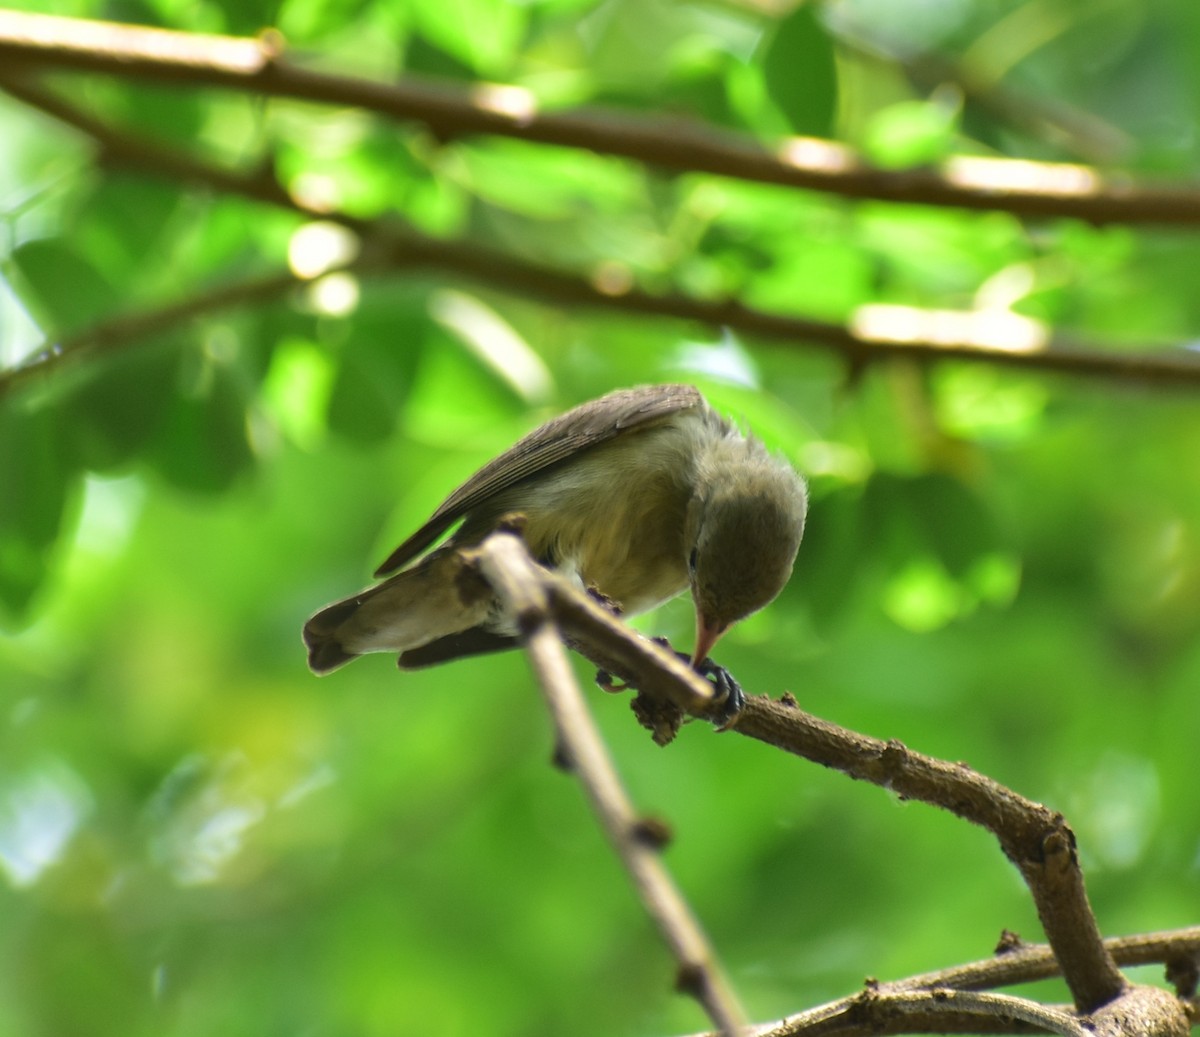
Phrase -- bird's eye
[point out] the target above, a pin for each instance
(692, 559)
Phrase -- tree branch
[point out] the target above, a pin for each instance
(124, 330)
(939, 1010)
(518, 582)
(1024, 188)
(1141, 1010)
(1037, 840)
(1019, 962)
(855, 1016)
(885, 337)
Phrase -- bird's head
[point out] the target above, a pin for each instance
(743, 531)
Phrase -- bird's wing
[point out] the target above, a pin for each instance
(580, 429)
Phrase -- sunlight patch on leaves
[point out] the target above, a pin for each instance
(296, 390)
(40, 812)
(493, 341)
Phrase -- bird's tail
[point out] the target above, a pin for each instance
(322, 636)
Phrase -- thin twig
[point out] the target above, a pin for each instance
(510, 273)
(505, 565)
(1013, 964)
(1025, 188)
(1029, 962)
(126, 330)
(1022, 963)
(1037, 840)
(917, 1011)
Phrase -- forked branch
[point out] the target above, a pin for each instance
(1037, 840)
(522, 588)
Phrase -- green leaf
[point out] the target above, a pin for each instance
(247, 17)
(121, 404)
(428, 59)
(932, 515)
(700, 87)
(204, 446)
(832, 555)
(482, 34)
(37, 478)
(159, 111)
(800, 73)
(123, 223)
(377, 371)
(957, 526)
(62, 287)
(550, 184)
(911, 133)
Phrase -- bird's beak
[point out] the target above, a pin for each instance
(708, 633)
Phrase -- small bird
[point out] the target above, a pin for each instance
(637, 496)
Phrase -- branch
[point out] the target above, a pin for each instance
(518, 582)
(860, 1016)
(1141, 1010)
(938, 1010)
(1037, 840)
(125, 330)
(1018, 962)
(1024, 188)
(887, 335)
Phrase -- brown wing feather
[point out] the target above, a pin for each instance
(587, 425)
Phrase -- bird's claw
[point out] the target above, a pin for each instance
(729, 699)
(607, 682)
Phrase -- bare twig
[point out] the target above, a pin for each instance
(1028, 962)
(939, 1010)
(519, 583)
(1025, 188)
(402, 247)
(124, 330)
(1037, 840)
(864, 1014)
(1148, 1011)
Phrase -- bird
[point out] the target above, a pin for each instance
(637, 496)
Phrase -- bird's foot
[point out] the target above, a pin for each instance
(607, 682)
(729, 699)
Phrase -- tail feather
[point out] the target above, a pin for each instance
(321, 637)
(476, 641)
(411, 609)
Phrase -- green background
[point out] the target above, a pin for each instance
(1001, 566)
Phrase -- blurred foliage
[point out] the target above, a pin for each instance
(198, 837)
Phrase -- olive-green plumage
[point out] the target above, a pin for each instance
(640, 495)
